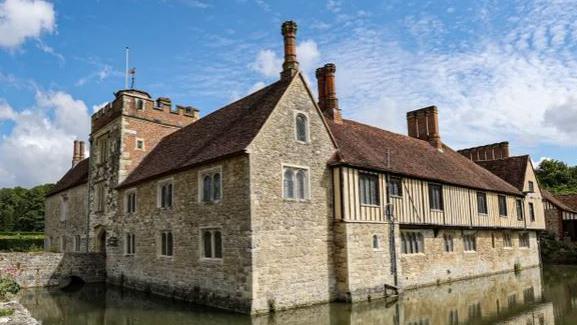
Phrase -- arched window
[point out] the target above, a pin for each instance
(206, 188)
(301, 185)
(301, 127)
(375, 242)
(289, 182)
(216, 187)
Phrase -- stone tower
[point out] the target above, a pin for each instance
(122, 133)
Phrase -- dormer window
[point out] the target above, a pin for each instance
(302, 127)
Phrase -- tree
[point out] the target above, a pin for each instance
(557, 177)
(22, 209)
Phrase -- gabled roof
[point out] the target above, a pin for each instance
(225, 132)
(511, 169)
(77, 175)
(553, 199)
(364, 146)
(568, 199)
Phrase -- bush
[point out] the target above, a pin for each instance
(557, 252)
(7, 287)
(23, 244)
(6, 312)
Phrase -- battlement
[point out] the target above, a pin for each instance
(139, 104)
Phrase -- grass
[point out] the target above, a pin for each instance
(6, 312)
(21, 235)
(21, 241)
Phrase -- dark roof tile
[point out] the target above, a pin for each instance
(511, 169)
(77, 175)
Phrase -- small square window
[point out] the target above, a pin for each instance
(139, 144)
(139, 103)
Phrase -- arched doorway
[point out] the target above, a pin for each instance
(101, 241)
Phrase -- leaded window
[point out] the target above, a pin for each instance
(211, 186)
(395, 186)
(301, 125)
(469, 243)
(412, 242)
(502, 205)
(165, 192)
(166, 248)
(129, 244)
(436, 197)
(296, 183)
(482, 202)
(448, 242)
(369, 189)
(212, 243)
(519, 204)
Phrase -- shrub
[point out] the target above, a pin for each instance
(557, 252)
(6, 312)
(23, 244)
(8, 287)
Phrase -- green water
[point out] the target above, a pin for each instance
(533, 296)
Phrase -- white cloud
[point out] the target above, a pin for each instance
(39, 147)
(22, 19)
(99, 75)
(257, 86)
(269, 64)
(6, 112)
(537, 163)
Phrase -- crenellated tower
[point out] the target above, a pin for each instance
(122, 133)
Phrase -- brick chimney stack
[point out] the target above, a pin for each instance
(328, 101)
(492, 151)
(290, 66)
(424, 124)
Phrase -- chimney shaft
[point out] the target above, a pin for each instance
(81, 150)
(76, 153)
(328, 102)
(290, 66)
(320, 73)
(424, 124)
(488, 152)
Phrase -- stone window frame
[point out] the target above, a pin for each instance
(159, 185)
(524, 240)
(296, 168)
(137, 141)
(419, 243)
(64, 200)
(129, 244)
(77, 243)
(212, 230)
(141, 101)
(128, 207)
(163, 251)
(466, 246)
(212, 171)
(296, 113)
(62, 244)
(448, 242)
(507, 240)
(100, 196)
(376, 239)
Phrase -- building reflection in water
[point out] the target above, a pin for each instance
(503, 298)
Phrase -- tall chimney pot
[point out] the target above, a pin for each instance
(321, 81)
(290, 66)
(328, 102)
(76, 153)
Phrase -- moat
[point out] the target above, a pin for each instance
(533, 296)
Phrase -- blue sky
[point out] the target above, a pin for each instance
(497, 70)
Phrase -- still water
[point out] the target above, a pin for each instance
(533, 297)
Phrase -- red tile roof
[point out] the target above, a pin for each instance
(569, 199)
(369, 147)
(511, 169)
(225, 132)
(77, 175)
(553, 199)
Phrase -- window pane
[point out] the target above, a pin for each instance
(289, 184)
(163, 246)
(217, 244)
(375, 241)
(169, 244)
(216, 187)
(206, 188)
(368, 189)
(301, 127)
(163, 196)
(207, 243)
(301, 184)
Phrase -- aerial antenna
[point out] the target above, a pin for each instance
(132, 73)
(126, 68)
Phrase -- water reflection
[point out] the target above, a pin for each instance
(504, 298)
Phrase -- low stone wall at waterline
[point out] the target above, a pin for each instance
(45, 269)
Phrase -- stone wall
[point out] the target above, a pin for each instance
(435, 265)
(48, 269)
(57, 229)
(224, 283)
(292, 241)
(553, 222)
(363, 270)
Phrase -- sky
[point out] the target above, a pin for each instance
(496, 70)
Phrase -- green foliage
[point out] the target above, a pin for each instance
(557, 252)
(6, 312)
(22, 209)
(557, 177)
(8, 287)
(21, 244)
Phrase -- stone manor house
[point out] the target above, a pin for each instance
(276, 201)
